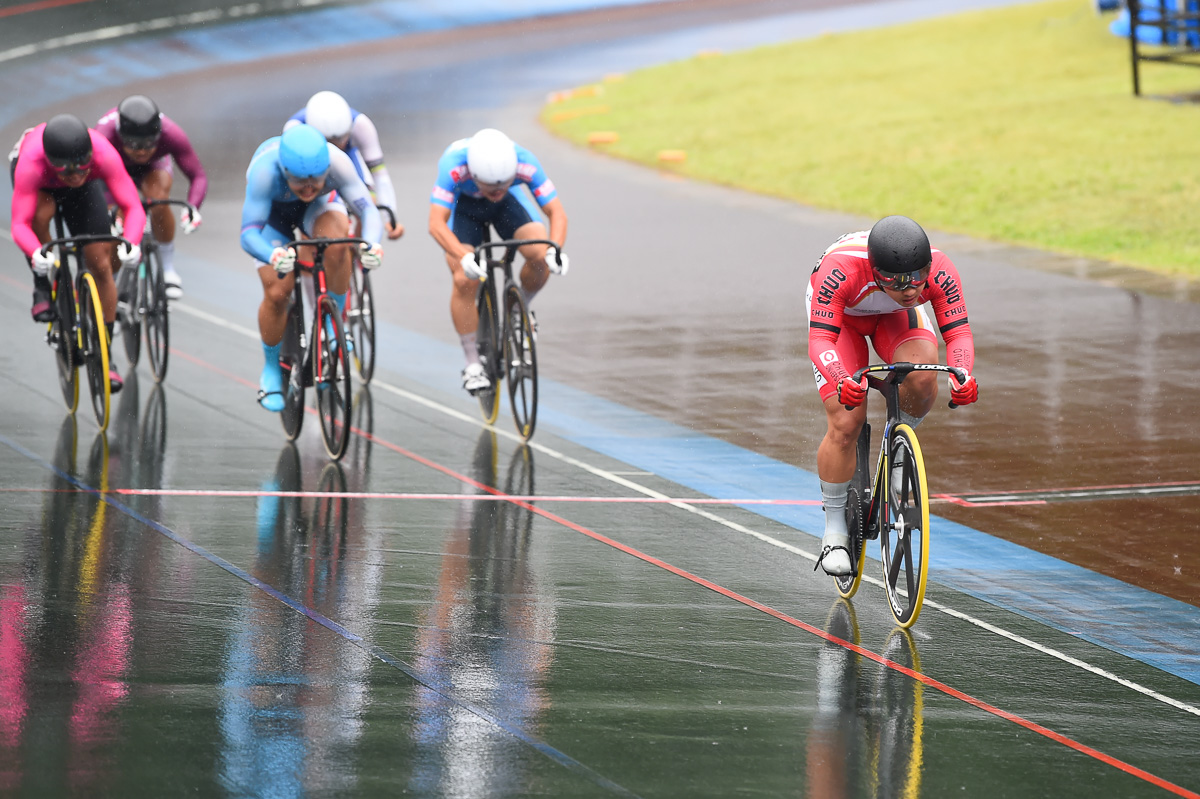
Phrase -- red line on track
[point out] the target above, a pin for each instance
(40, 5)
(751, 603)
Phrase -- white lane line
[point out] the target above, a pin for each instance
(614, 477)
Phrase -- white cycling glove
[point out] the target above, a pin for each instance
(283, 260)
(43, 262)
(557, 261)
(189, 219)
(129, 254)
(472, 268)
(371, 256)
(117, 226)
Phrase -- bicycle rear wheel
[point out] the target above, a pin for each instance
(361, 319)
(129, 299)
(291, 360)
(520, 362)
(857, 502)
(331, 377)
(155, 318)
(63, 336)
(95, 347)
(487, 341)
(904, 533)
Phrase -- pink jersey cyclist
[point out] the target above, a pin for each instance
(148, 140)
(843, 295)
(61, 167)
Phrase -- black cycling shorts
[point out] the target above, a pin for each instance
(472, 215)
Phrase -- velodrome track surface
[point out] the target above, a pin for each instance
(208, 626)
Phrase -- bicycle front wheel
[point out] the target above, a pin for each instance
(904, 532)
(331, 377)
(487, 341)
(361, 320)
(95, 347)
(520, 362)
(858, 499)
(155, 319)
(291, 359)
(63, 336)
(129, 298)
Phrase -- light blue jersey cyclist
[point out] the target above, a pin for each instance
(479, 185)
(300, 181)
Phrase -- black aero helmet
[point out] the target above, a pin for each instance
(897, 245)
(67, 143)
(139, 124)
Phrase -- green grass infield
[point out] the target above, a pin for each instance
(1016, 125)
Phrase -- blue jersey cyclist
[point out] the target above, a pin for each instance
(477, 186)
(299, 180)
(353, 132)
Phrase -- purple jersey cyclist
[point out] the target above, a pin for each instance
(477, 187)
(148, 141)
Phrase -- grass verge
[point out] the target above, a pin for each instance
(1015, 125)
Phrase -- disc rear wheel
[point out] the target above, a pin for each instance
(904, 533)
(128, 319)
(331, 377)
(520, 362)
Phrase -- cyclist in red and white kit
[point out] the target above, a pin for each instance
(873, 284)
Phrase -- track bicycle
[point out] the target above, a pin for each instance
(77, 334)
(142, 307)
(896, 513)
(360, 314)
(318, 360)
(505, 337)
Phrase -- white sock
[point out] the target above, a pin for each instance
(833, 495)
(911, 421)
(166, 254)
(469, 348)
(529, 295)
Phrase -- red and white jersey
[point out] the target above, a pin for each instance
(843, 285)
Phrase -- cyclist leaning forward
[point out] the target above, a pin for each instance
(148, 140)
(299, 180)
(476, 187)
(873, 284)
(63, 165)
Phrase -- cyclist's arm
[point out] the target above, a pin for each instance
(24, 202)
(256, 208)
(356, 195)
(176, 142)
(439, 228)
(950, 312)
(558, 221)
(825, 321)
(111, 169)
(365, 137)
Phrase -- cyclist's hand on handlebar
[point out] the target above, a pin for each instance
(117, 226)
(394, 229)
(283, 260)
(128, 253)
(850, 393)
(557, 260)
(472, 268)
(371, 256)
(963, 393)
(43, 262)
(189, 219)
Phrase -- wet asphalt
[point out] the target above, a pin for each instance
(262, 639)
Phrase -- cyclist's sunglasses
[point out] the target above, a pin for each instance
(68, 168)
(311, 182)
(903, 280)
(140, 142)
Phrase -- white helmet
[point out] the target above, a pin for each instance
(491, 157)
(329, 113)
